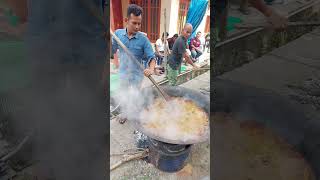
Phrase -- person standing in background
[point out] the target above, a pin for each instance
(194, 46)
(172, 40)
(160, 49)
(178, 53)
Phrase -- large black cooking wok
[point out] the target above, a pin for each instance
(276, 112)
(201, 100)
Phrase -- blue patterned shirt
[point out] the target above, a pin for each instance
(140, 46)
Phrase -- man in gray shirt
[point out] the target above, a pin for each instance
(178, 53)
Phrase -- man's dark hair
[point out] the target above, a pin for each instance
(134, 9)
(176, 35)
(167, 34)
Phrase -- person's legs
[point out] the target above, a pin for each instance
(172, 76)
(198, 54)
(193, 53)
(159, 59)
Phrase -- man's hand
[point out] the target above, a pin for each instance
(277, 21)
(148, 72)
(151, 69)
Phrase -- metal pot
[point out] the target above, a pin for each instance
(175, 91)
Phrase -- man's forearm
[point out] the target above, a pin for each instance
(152, 64)
(188, 59)
(261, 6)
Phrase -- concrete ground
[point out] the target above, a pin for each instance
(122, 139)
(290, 65)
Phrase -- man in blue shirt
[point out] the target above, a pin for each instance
(138, 44)
(131, 74)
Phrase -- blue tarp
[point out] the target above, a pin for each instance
(196, 12)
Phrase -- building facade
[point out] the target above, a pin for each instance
(159, 15)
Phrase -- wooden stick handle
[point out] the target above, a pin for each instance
(129, 158)
(163, 94)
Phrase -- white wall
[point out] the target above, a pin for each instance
(172, 8)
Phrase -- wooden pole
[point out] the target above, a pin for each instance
(165, 39)
(128, 158)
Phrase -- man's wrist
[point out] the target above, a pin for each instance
(152, 70)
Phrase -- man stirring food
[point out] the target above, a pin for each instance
(138, 44)
(178, 53)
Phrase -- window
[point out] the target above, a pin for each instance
(182, 17)
(150, 17)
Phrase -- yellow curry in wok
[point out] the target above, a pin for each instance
(177, 119)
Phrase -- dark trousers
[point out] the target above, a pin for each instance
(159, 59)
